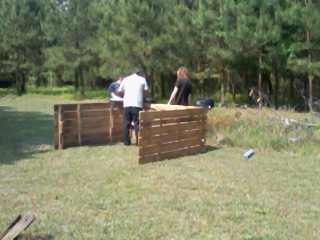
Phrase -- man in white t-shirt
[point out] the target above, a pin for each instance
(135, 88)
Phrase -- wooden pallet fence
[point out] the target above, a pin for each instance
(87, 124)
(171, 131)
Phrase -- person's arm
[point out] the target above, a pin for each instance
(145, 93)
(113, 95)
(173, 95)
(189, 100)
(145, 89)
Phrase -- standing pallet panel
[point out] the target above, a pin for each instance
(85, 124)
(169, 132)
(116, 126)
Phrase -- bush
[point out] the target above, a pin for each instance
(264, 129)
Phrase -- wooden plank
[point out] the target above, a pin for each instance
(94, 114)
(171, 146)
(56, 118)
(118, 138)
(70, 123)
(11, 226)
(157, 122)
(117, 120)
(117, 127)
(71, 144)
(152, 131)
(85, 114)
(148, 116)
(87, 129)
(56, 129)
(95, 129)
(95, 106)
(60, 126)
(100, 135)
(69, 107)
(112, 122)
(117, 105)
(72, 130)
(167, 107)
(91, 122)
(169, 155)
(68, 138)
(19, 227)
(68, 115)
(159, 139)
(147, 159)
(79, 107)
(117, 132)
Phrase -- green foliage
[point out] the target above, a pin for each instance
(272, 45)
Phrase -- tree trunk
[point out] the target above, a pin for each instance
(260, 76)
(222, 80)
(81, 82)
(21, 82)
(162, 85)
(76, 80)
(310, 92)
(59, 78)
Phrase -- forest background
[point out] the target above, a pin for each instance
(228, 46)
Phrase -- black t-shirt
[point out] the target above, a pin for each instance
(114, 88)
(184, 89)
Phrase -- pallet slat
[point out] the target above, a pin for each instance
(95, 106)
(150, 115)
(170, 146)
(169, 155)
(159, 139)
(170, 128)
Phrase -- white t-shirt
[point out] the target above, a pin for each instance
(133, 87)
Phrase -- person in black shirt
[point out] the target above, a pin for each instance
(182, 88)
(113, 88)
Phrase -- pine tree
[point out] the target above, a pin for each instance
(21, 40)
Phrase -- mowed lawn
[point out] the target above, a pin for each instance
(100, 192)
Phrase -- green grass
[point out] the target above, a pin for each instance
(100, 192)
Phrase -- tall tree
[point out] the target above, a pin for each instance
(21, 39)
(305, 59)
(136, 36)
(73, 31)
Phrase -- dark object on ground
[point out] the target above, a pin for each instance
(207, 103)
(35, 237)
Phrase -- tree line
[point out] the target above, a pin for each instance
(229, 46)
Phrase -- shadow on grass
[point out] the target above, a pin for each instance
(23, 134)
(211, 148)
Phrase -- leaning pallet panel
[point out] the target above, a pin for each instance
(171, 131)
